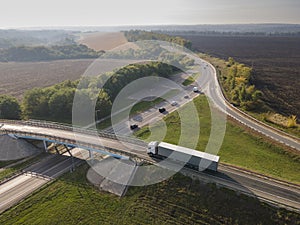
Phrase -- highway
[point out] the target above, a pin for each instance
(268, 189)
(208, 84)
(32, 178)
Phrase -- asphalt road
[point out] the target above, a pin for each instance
(261, 186)
(209, 84)
(217, 97)
(266, 188)
(32, 178)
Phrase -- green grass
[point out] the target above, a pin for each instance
(179, 200)
(6, 163)
(138, 108)
(191, 79)
(295, 131)
(14, 169)
(239, 146)
(104, 124)
(144, 105)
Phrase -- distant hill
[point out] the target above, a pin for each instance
(219, 28)
(15, 38)
(42, 53)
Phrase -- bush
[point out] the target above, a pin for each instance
(9, 107)
(292, 122)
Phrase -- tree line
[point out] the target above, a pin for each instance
(43, 53)
(139, 35)
(151, 51)
(56, 102)
(237, 84)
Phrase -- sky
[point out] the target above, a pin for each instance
(46, 13)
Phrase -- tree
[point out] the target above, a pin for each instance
(35, 102)
(103, 105)
(9, 107)
(61, 102)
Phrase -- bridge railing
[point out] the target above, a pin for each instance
(73, 141)
(68, 127)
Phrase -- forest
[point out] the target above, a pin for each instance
(56, 102)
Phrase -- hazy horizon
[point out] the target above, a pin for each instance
(67, 13)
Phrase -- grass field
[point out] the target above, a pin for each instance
(191, 79)
(239, 146)
(179, 200)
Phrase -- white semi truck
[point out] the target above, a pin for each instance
(189, 157)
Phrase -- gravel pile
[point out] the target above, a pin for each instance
(13, 149)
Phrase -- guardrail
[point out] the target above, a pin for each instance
(263, 124)
(38, 175)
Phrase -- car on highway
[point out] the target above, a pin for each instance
(133, 126)
(162, 109)
(174, 103)
(195, 89)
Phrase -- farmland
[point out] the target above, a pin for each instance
(16, 78)
(275, 60)
(102, 41)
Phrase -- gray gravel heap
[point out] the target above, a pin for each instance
(12, 148)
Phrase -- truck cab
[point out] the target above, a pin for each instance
(152, 148)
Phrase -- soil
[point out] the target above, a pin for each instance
(103, 41)
(275, 62)
(16, 77)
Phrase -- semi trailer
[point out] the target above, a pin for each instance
(188, 157)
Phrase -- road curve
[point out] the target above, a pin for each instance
(216, 95)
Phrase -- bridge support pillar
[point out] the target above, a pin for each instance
(72, 158)
(45, 146)
(56, 149)
(91, 154)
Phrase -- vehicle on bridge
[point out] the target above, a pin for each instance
(188, 157)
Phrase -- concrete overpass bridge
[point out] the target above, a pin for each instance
(73, 137)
